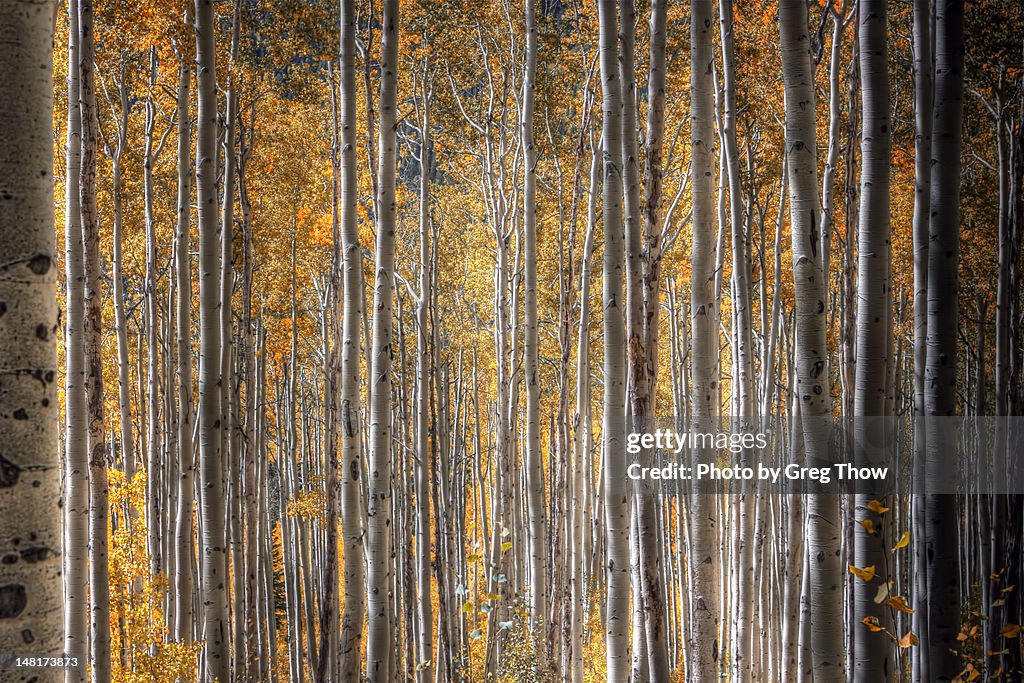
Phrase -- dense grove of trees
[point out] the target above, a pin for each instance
(359, 302)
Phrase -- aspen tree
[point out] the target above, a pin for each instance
(76, 452)
(99, 580)
(216, 631)
(379, 568)
(873, 657)
(811, 360)
(941, 517)
(30, 533)
(703, 651)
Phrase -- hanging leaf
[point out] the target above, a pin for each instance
(903, 542)
(908, 640)
(896, 602)
(872, 624)
(505, 625)
(506, 546)
(1010, 631)
(475, 634)
(865, 574)
(868, 525)
(467, 607)
(882, 594)
(877, 507)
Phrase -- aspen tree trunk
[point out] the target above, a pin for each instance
(99, 588)
(583, 433)
(533, 461)
(941, 517)
(743, 388)
(211, 469)
(351, 499)
(425, 613)
(76, 453)
(30, 533)
(811, 359)
(380, 603)
(873, 658)
(617, 509)
(184, 543)
(643, 256)
(703, 649)
(120, 322)
(154, 473)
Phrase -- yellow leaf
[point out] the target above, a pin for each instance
(896, 602)
(1010, 631)
(908, 640)
(999, 603)
(877, 507)
(865, 574)
(868, 525)
(903, 542)
(506, 546)
(872, 624)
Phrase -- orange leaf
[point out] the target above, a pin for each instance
(908, 640)
(872, 624)
(877, 507)
(865, 574)
(896, 602)
(1010, 631)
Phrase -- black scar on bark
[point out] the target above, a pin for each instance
(13, 599)
(9, 473)
(40, 264)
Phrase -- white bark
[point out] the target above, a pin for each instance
(380, 602)
(30, 590)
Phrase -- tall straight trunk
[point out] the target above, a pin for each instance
(873, 658)
(923, 74)
(743, 389)
(99, 587)
(811, 352)
(941, 516)
(583, 432)
(154, 473)
(533, 461)
(380, 603)
(425, 613)
(120, 319)
(702, 653)
(76, 454)
(351, 499)
(184, 532)
(617, 508)
(643, 253)
(30, 526)
(211, 468)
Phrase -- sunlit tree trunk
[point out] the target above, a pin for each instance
(99, 588)
(30, 533)
(941, 516)
(76, 453)
(617, 508)
(703, 651)
(380, 603)
(351, 498)
(824, 526)
(424, 599)
(184, 543)
(211, 420)
(534, 467)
